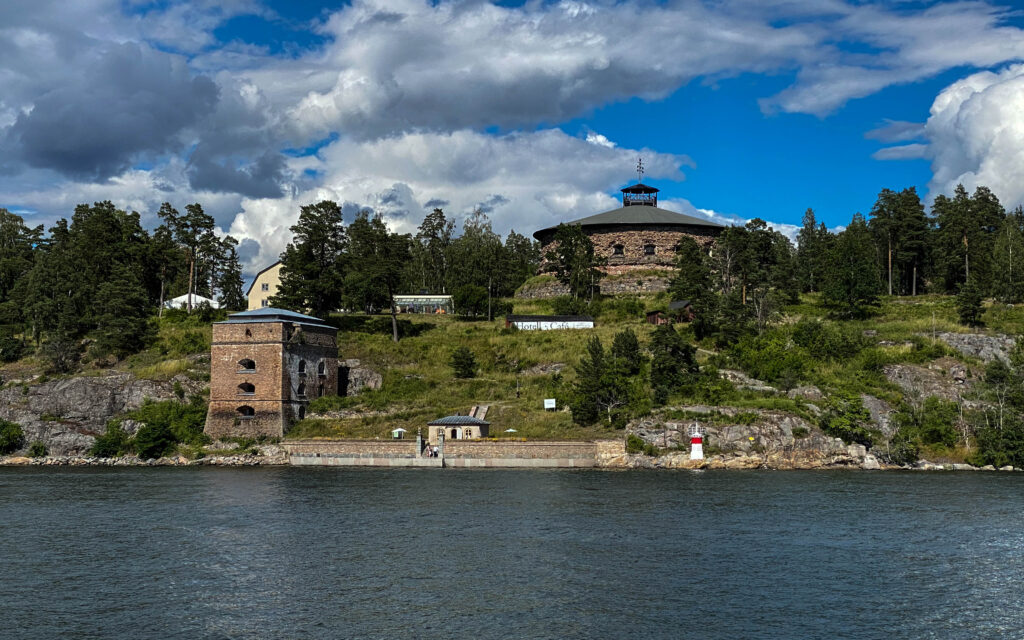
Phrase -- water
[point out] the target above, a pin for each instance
(353, 553)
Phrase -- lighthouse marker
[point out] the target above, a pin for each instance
(696, 441)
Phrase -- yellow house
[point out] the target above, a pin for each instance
(263, 286)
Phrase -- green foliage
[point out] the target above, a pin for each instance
(813, 243)
(574, 261)
(313, 265)
(323, 404)
(12, 437)
(62, 353)
(470, 300)
(37, 449)
(603, 389)
(463, 363)
(851, 285)
(673, 363)
(969, 303)
(618, 308)
(801, 432)
(11, 349)
(828, 340)
(845, 417)
(114, 442)
(771, 356)
(626, 348)
(636, 444)
(1000, 445)
(154, 441)
(184, 421)
(570, 306)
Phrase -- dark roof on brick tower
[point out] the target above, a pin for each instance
(639, 207)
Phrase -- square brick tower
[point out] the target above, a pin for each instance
(265, 367)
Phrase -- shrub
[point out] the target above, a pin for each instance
(11, 437)
(569, 306)
(155, 440)
(827, 340)
(845, 417)
(771, 356)
(184, 421)
(11, 349)
(37, 449)
(470, 300)
(968, 303)
(636, 444)
(621, 308)
(463, 363)
(114, 442)
(801, 432)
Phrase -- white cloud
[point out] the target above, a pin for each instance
(976, 135)
(902, 152)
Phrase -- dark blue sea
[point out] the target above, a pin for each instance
(352, 553)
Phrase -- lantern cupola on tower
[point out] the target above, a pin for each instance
(639, 193)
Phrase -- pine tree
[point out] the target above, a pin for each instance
(626, 348)
(812, 252)
(969, 303)
(851, 283)
(1008, 259)
(377, 263)
(229, 276)
(121, 313)
(693, 282)
(434, 241)
(463, 363)
(574, 261)
(673, 362)
(314, 262)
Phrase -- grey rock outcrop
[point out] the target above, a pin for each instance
(360, 377)
(742, 381)
(67, 414)
(986, 348)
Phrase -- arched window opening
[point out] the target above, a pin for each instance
(302, 366)
(455, 434)
(245, 411)
(246, 389)
(617, 250)
(648, 249)
(302, 413)
(321, 369)
(248, 333)
(246, 365)
(301, 390)
(320, 390)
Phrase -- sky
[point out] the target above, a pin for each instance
(535, 112)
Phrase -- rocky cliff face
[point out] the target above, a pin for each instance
(67, 414)
(986, 348)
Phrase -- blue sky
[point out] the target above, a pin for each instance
(535, 112)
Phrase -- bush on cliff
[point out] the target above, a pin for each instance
(114, 442)
(11, 437)
(155, 440)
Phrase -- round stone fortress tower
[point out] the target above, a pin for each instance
(638, 235)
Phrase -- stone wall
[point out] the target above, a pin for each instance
(622, 283)
(633, 239)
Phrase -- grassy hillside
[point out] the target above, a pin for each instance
(419, 384)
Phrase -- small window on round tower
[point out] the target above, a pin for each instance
(245, 411)
(246, 364)
(648, 249)
(247, 388)
(300, 391)
(302, 366)
(617, 250)
(248, 333)
(321, 369)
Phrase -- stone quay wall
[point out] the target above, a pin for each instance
(457, 453)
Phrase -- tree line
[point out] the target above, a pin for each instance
(361, 266)
(97, 279)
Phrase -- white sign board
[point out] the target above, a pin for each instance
(549, 403)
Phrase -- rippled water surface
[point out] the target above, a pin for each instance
(339, 553)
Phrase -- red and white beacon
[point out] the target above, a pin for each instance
(696, 441)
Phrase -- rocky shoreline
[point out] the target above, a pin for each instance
(674, 460)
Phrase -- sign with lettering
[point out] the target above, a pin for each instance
(549, 403)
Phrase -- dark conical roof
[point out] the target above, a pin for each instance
(634, 216)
